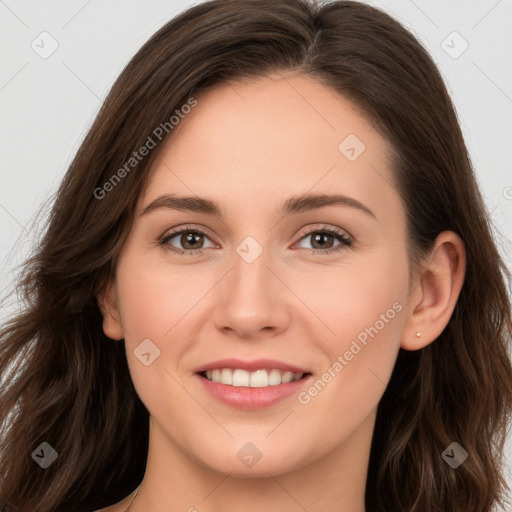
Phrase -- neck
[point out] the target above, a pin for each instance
(334, 482)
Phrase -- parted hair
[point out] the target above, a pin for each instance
(65, 383)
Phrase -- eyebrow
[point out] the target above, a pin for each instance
(296, 204)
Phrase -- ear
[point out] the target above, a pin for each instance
(107, 302)
(435, 291)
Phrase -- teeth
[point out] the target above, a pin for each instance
(240, 378)
(287, 377)
(226, 376)
(274, 377)
(257, 379)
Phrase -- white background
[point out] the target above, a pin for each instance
(47, 105)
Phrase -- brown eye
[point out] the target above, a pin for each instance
(191, 240)
(323, 240)
(184, 240)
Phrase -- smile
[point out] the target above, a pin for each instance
(256, 379)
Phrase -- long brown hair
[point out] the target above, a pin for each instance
(67, 384)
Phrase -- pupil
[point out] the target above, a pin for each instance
(189, 239)
(318, 237)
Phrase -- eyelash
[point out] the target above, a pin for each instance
(342, 237)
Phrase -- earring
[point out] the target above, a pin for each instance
(418, 334)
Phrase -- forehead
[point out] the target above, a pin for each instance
(251, 142)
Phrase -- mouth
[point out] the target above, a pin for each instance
(251, 384)
(261, 378)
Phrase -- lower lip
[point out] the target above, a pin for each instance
(252, 398)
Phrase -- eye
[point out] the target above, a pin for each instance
(322, 240)
(191, 240)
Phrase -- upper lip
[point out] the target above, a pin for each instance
(251, 366)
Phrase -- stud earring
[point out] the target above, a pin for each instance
(418, 334)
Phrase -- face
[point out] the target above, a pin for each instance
(262, 278)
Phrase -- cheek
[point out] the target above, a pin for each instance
(364, 308)
(158, 303)
(359, 299)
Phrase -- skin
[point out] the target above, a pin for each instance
(250, 146)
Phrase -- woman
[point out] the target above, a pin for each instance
(268, 281)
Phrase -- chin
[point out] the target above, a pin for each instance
(244, 459)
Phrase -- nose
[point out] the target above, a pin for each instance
(252, 301)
